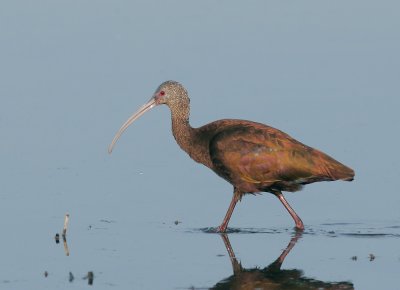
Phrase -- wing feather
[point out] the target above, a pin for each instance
(257, 158)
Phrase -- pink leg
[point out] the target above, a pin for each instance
(297, 220)
(224, 225)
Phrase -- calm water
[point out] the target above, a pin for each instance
(72, 72)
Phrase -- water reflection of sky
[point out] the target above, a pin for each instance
(326, 73)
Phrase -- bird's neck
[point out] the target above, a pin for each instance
(191, 140)
(181, 129)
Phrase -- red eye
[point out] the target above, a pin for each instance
(162, 93)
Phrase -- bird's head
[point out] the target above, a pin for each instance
(170, 93)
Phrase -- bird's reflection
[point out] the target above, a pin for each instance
(272, 276)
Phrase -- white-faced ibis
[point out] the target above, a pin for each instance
(253, 157)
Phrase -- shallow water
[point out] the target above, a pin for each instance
(171, 256)
(143, 218)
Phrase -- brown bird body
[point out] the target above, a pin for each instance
(253, 157)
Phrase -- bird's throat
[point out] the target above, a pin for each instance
(188, 138)
(181, 129)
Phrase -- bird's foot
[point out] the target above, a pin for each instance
(220, 229)
(299, 226)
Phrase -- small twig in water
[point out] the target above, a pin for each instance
(64, 235)
(66, 220)
(66, 250)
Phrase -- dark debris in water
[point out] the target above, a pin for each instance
(89, 277)
(71, 277)
(371, 257)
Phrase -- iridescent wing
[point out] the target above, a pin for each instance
(258, 158)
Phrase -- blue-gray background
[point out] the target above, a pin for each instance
(326, 72)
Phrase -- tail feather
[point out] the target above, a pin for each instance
(331, 169)
(337, 171)
(344, 173)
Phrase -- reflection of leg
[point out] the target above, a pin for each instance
(297, 220)
(235, 199)
(290, 246)
(276, 265)
(235, 264)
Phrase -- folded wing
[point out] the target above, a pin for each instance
(260, 158)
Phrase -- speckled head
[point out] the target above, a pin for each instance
(171, 93)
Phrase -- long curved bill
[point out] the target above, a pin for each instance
(149, 105)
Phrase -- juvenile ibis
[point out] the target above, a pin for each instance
(253, 157)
